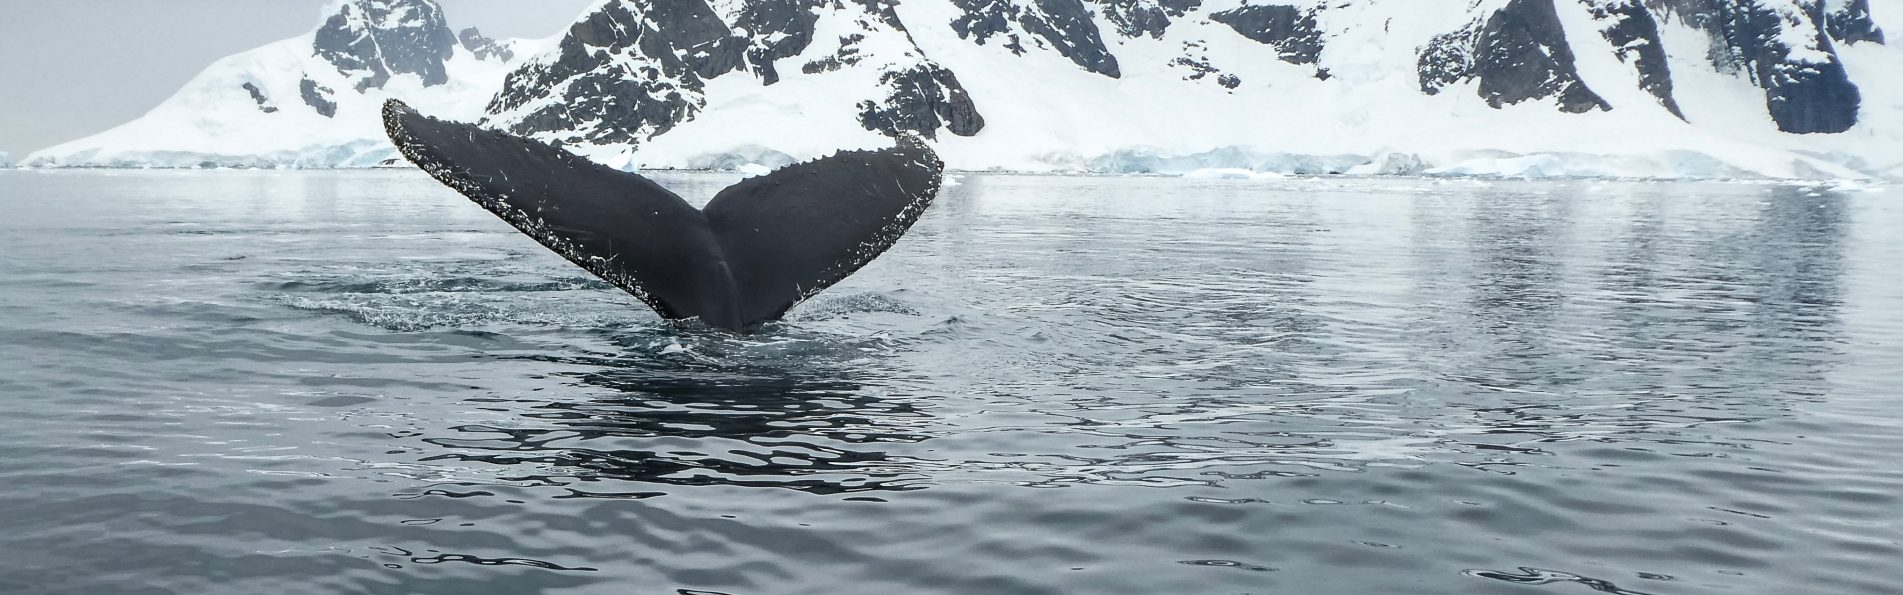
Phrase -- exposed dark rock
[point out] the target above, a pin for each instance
(984, 19)
(484, 48)
(1062, 25)
(354, 52)
(1634, 35)
(919, 100)
(636, 74)
(1523, 55)
(1067, 25)
(1700, 14)
(1851, 23)
(1198, 67)
(1292, 31)
(354, 55)
(1448, 59)
(1703, 15)
(882, 11)
(680, 35)
(827, 64)
(374, 39)
(1177, 8)
(1195, 59)
(318, 97)
(637, 68)
(847, 55)
(1518, 53)
(257, 95)
(1136, 18)
(781, 29)
(1806, 89)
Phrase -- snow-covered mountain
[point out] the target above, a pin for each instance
(1664, 88)
(311, 101)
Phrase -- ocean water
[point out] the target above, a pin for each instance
(359, 382)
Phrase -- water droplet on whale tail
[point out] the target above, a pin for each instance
(759, 247)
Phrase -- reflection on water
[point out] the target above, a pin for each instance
(647, 425)
(358, 383)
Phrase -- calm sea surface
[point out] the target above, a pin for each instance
(263, 382)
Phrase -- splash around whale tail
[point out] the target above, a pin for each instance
(757, 249)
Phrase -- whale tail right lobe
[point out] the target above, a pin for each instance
(757, 249)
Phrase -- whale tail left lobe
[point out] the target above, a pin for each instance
(758, 248)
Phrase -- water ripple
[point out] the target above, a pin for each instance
(357, 383)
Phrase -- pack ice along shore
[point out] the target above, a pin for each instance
(1591, 88)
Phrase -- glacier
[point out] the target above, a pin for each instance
(1781, 89)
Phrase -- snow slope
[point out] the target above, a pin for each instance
(1198, 93)
(302, 102)
(1538, 88)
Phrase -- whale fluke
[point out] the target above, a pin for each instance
(759, 247)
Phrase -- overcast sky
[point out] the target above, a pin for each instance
(70, 68)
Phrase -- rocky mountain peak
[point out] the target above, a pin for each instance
(1063, 26)
(1517, 53)
(1297, 86)
(635, 69)
(484, 48)
(630, 69)
(370, 40)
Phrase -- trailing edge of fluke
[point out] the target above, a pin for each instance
(759, 247)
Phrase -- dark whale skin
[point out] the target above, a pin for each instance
(758, 248)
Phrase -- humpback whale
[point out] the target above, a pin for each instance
(758, 248)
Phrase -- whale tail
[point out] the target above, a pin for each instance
(757, 249)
